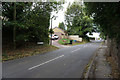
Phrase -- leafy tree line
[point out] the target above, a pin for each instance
(107, 16)
(78, 23)
(27, 21)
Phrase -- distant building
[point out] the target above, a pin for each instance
(59, 32)
(95, 36)
(75, 37)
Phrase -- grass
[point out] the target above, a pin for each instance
(26, 51)
(64, 41)
(67, 41)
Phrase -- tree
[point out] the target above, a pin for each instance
(11, 21)
(14, 29)
(32, 20)
(107, 15)
(77, 21)
(62, 26)
(51, 31)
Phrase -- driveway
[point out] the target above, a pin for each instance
(62, 63)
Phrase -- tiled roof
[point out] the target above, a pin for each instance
(59, 29)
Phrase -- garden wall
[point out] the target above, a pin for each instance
(75, 37)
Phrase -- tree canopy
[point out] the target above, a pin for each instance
(32, 20)
(107, 15)
(77, 21)
(62, 26)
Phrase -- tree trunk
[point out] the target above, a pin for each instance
(14, 28)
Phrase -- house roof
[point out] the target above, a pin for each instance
(59, 29)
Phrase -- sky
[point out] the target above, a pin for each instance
(61, 14)
(61, 17)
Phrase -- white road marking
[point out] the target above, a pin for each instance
(75, 50)
(45, 62)
(85, 46)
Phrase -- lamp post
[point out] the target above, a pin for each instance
(51, 32)
(51, 27)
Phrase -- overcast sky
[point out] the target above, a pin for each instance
(61, 16)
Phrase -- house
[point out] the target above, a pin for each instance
(59, 32)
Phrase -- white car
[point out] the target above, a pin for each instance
(54, 36)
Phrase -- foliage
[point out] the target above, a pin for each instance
(107, 15)
(102, 35)
(77, 21)
(62, 26)
(32, 20)
(51, 31)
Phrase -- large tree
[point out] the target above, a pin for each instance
(14, 14)
(107, 15)
(31, 21)
(77, 20)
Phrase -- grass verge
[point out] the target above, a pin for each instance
(26, 51)
(64, 41)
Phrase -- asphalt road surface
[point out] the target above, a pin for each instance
(62, 63)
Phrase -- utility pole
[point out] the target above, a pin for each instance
(51, 27)
(51, 32)
(14, 28)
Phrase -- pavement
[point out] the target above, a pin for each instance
(66, 62)
(55, 43)
(100, 67)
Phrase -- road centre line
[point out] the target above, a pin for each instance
(79, 48)
(85, 46)
(44, 62)
(76, 50)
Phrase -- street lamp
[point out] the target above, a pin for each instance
(51, 27)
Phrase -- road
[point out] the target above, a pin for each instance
(62, 63)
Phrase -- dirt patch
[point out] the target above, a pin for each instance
(24, 51)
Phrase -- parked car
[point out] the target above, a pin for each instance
(54, 36)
